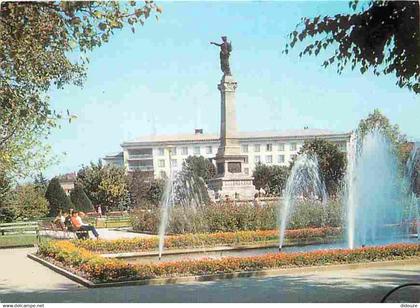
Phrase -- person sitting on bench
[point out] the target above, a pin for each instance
(78, 224)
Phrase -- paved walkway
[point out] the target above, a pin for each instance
(24, 280)
(104, 233)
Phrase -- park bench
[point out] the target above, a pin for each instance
(12, 228)
(117, 221)
(50, 228)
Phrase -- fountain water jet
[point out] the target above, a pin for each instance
(374, 190)
(303, 182)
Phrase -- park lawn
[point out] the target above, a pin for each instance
(17, 240)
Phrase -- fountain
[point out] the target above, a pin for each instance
(304, 182)
(375, 196)
(413, 176)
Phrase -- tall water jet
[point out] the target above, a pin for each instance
(375, 196)
(167, 202)
(304, 181)
(413, 180)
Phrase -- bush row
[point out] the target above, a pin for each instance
(204, 240)
(230, 217)
(99, 269)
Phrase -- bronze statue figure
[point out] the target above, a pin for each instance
(225, 50)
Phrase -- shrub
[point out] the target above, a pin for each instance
(57, 198)
(28, 203)
(80, 200)
(230, 217)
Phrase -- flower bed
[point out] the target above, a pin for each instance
(205, 240)
(99, 269)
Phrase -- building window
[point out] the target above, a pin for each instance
(293, 156)
(174, 163)
(161, 151)
(293, 147)
(269, 159)
(163, 174)
(268, 147)
(257, 159)
(281, 147)
(185, 151)
(172, 151)
(161, 163)
(244, 148)
(246, 160)
(256, 147)
(209, 150)
(196, 150)
(281, 159)
(246, 170)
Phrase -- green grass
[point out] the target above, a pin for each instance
(17, 240)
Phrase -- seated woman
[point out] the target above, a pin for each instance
(60, 220)
(78, 224)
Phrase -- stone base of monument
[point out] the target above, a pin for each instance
(233, 187)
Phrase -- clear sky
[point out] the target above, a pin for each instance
(163, 79)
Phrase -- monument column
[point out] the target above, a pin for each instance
(230, 180)
(229, 144)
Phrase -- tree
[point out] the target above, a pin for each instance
(144, 189)
(378, 121)
(190, 183)
(199, 166)
(80, 200)
(331, 161)
(45, 45)
(271, 178)
(29, 203)
(57, 198)
(105, 185)
(41, 183)
(382, 35)
(7, 213)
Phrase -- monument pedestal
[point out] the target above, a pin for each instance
(230, 180)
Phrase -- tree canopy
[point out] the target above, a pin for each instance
(80, 200)
(45, 45)
(382, 35)
(104, 185)
(57, 198)
(271, 178)
(332, 162)
(378, 121)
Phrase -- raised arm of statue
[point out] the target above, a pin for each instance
(215, 44)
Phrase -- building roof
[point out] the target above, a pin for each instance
(114, 155)
(68, 177)
(296, 133)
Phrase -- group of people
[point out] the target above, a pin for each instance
(72, 221)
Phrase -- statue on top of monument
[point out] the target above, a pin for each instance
(225, 50)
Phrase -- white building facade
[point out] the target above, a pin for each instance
(158, 154)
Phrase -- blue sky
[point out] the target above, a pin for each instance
(163, 79)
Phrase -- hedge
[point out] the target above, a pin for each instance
(100, 269)
(205, 240)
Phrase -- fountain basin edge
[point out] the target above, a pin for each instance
(244, 274)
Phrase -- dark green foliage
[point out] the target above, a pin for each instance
(144, 189)
(271, 178)
(332, 163)
(199, 166)
(105, 185)
(191, 181)
(382, 35)
(41, 183)
(228, 216)
(57, 198)
(80, 200)
(377, 121)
